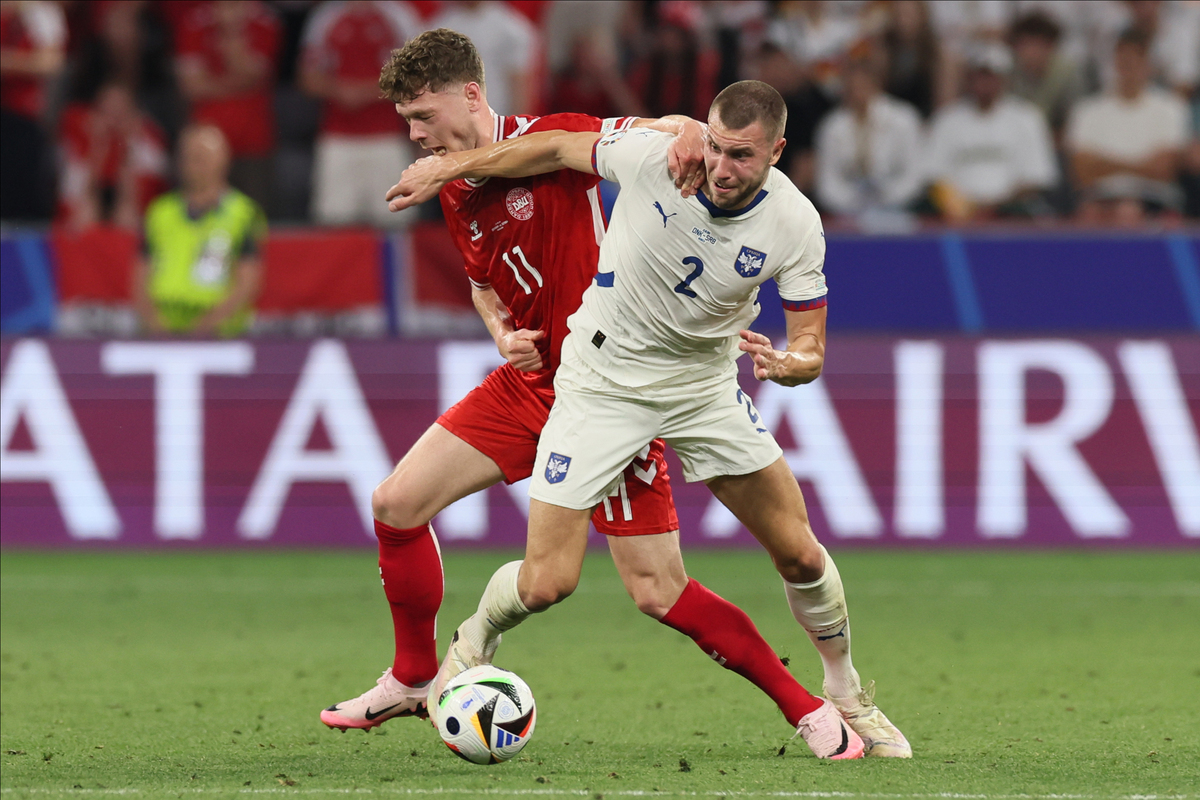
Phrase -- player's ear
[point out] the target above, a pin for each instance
(473, 93)
(777, 151)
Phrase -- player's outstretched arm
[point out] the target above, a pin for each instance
(805, 354)
(531, 154)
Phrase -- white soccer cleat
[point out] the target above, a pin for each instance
(461, 655)
(390, 698)
(828, 735)
(880, 737)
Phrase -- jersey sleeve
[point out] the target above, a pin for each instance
(618, 156)
(476, 273)
(802, 282)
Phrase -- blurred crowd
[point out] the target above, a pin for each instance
(957, 111)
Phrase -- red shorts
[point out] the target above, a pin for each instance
(503, 418)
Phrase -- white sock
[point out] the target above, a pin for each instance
(500, 609)
(820, 608)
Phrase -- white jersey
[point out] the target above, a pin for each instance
(679, 278)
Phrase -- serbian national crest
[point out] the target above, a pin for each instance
(556, 468)
(520, 203)
(749, 262)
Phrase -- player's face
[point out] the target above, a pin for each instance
(441, 121)
(737, 162)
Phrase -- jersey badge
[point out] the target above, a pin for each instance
(749, 262)
(611, 138)
(520, 203)
(664, 214)
(475, 232)
(556, 468)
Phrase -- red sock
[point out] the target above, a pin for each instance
(726, 634)
(411, 569)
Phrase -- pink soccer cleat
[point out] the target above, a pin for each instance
(828, 735)
(390, 698)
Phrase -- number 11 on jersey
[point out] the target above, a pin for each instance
(537, 276)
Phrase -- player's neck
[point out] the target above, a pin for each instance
(485, 126)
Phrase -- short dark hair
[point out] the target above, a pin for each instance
(1036, 25)
(741, 104)
(430, 61)
(1135, 37)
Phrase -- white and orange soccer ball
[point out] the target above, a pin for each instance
(486, 714)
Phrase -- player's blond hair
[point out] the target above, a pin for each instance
(741, 104)
(429, 62)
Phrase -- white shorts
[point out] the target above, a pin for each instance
(596, 427)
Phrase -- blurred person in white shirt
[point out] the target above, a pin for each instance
(865, 149)
(990, 154)
(509, 45)
(1126, 145)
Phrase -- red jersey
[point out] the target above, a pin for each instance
(349, 41)
(535, 241)
(247, 118)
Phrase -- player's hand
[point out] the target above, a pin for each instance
(769, 363)
(518, 349)
(422, 181)
(685, 158)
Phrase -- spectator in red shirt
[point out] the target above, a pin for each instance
(113, 161)
(32, 50)
(226, 53)
(362, 139)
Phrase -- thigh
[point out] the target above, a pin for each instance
(588, 441)
(651, 567)
(437, 470)
(771, 506)
(716, 431)
(501, 418)
(641, 504)
(554, 551)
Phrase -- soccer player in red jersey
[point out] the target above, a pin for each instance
(531, 246)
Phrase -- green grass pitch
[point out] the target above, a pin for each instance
(1036, 675)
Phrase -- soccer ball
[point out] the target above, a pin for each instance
(486, 714)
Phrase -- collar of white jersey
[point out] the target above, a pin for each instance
(715, 211)
(497, 135)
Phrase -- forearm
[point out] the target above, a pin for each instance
(802, 361)
(493, 313)
(532, 154)
(246, 283)
(673, 124)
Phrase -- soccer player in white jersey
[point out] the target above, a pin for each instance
(652, 353)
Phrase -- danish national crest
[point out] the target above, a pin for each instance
(520, 203)
(556, 468)
(749, 262)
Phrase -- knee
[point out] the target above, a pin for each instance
(545, 590)
(655, 599)
(392, 505)
(801, 565)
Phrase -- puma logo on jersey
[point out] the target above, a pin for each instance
(665, 215)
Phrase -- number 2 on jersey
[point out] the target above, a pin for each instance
(684, 286)
(537, 276)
